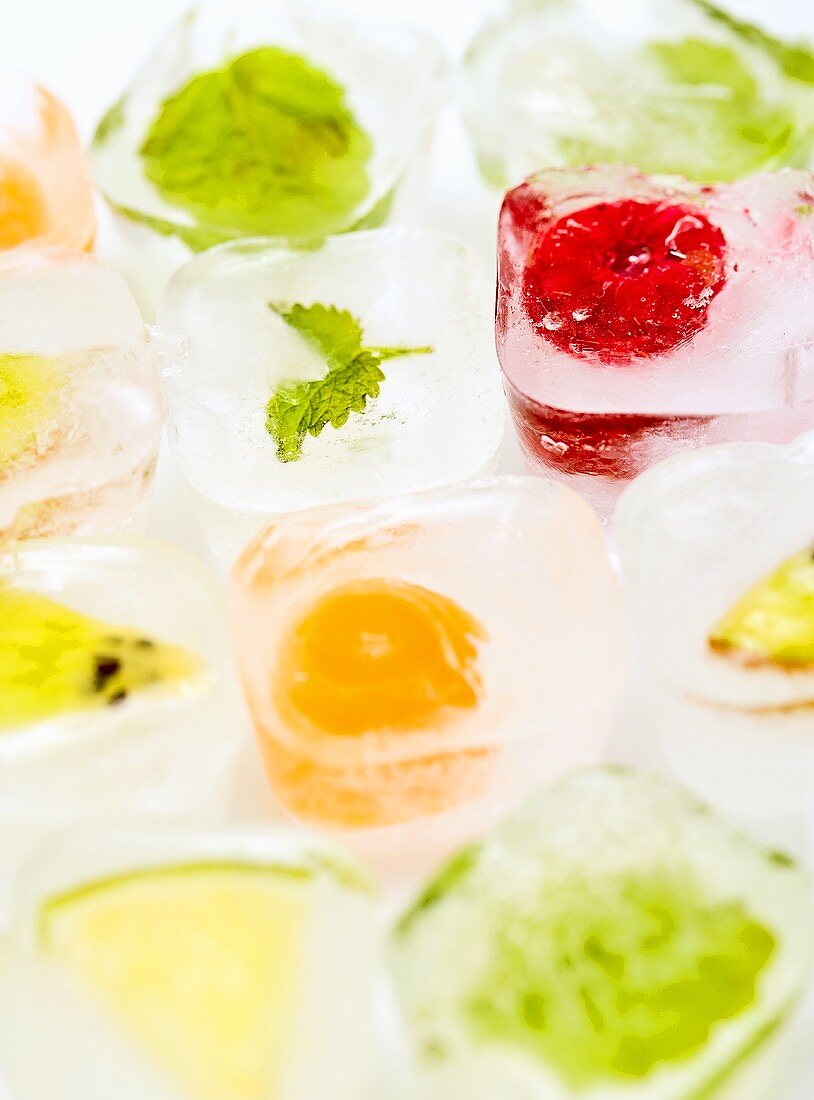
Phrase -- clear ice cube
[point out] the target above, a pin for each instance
(45, 192)
(414, 665)
(670, 86)
(81, 407)
(714, 548)
(175, 964)
(117, 694)
(437, 419)
(611, 938)
(638, 316)
(253, 118)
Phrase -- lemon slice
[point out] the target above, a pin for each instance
(201, 963)
(773, 623)
(29, 399)
(55, 660)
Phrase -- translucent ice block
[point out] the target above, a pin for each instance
(117, 694)
(177, 965)
(611, 939)
(265, 118)
(670, 86)
(80, 398)
(715, 549)
(640, 316)
(414, 665)
(45, 192)
(320, 375)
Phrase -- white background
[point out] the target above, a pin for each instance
(85, 52)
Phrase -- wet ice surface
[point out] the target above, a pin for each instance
(438, 418)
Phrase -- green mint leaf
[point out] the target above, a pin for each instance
(265, 144)
(298, 409)
(334, 333)
(796, 59)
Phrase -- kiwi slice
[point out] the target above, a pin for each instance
(773, 623)
(55, 660)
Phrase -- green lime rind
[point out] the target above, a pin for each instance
(267, 144)
(348, 875)
(300, 408)
(773, 623)
(611, 933)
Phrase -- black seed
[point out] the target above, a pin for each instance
(145, 643)
(117, 697)
(104, 668)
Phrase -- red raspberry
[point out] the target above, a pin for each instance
(622, 280)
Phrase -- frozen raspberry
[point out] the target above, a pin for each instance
(623, 280)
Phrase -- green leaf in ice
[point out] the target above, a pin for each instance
(265, 144)
(795, 59)
(355, 374)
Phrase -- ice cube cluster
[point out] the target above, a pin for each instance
(587, 799)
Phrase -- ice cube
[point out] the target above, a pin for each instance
(415, 664)
(80, 398)
(640, 316)
(670, 86)
(612, 938)
(117, 694)
(715, 549)
(361, 367)
(45, 193)
(264, 119)
(169, 964)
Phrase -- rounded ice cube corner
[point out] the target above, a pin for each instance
(639, 316)
(716, 550)
(676, 87)
(46, 195)
(170, 962)
(81, 406)
(343, 111)
(414, 665)
(610, 939)
(361, 367)
(117, 691)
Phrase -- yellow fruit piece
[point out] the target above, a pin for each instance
(54, 660)
(773, 624)
(379, 655)
(23, 210)
(201, 963)
(29, 401)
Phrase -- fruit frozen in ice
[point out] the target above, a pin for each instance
(639, 315)
(45, 192)
(610, 938)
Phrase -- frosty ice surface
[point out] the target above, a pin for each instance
(45, 192)
(611, 939)
(177, 965)
(80, 398)
(716, 558)
(670, 86)
(116, 689)
(311, 376)
(640, 316)
(263, 118)
(427, 658)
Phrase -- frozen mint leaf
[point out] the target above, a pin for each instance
(355, 375)
(796, 59)
(333, 332)
(266, 144)
(303, 407)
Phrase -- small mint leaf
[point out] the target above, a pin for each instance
(334, 333)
